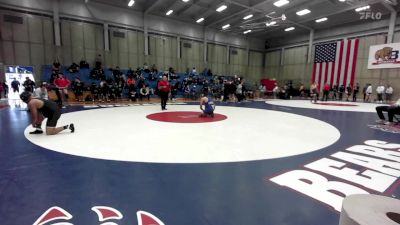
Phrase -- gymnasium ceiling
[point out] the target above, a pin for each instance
(338, 12)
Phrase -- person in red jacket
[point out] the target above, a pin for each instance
(62, 84)
(163, 91)
(327, 88)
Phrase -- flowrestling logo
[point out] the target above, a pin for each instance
(106, 216)
(370, 168)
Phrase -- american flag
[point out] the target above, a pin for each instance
(335, 63)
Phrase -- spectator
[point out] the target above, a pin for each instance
(355, 92)
(314, 92)
(349, 90)
(73, 68)
(154, 69)
(104, 91)
(391, 110)
(341, 91)
(98, 61)
(302, 91)
(193, 72)
(62, 84)
(239, 92)
(327, 88)
(262, 90)
(41, 92)
(146, 68)
(174, 89)
(1, 89)
(5, 89)
(388, 93)
(380, 90)
(83, 64)
(94, 91)
(368, 92)
(78, 88)
(334, 92)
(209, 73)
(276, 91)
(144, 92)
(56, 66)
(29, 85)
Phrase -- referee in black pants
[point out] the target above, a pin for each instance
(163, 90)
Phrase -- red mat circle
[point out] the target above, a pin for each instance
(185, 117)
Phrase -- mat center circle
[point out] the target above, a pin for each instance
(185, 117)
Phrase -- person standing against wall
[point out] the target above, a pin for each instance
(379, 92)
(356, 89)
(327, 88)
(388, 93)
(368, 92)
(163, 89)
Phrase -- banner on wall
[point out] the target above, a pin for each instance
(384, 56)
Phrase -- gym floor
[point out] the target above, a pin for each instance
(253, 163)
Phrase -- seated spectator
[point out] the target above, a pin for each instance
(94, 91)
(144, 92)
(74, 68)
(118, 75)
(193, 72)
(391, 110)
(97, 74)
(98, 61)
(130, 72)
(209, 73)
(262, 90)
(146, 68)
(56, 66)
(78, 88)
(154, 69)
(104, 91)
(41, 92)
(83, 64)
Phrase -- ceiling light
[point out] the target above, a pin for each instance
(270, 23)
(303, 12)
(321, 20)
(362, 8)
(247, 31)
(200, 20)
(342, 0)
(289, 29)
(222, 8)
(185, 0)
(131, 2)
(169, 12)
(226, 26)
(281, 3)
(248, 17)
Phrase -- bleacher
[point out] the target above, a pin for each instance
(84, 76)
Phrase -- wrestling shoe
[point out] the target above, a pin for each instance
(72, 128)
(36, 132)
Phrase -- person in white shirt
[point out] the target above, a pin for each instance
(41, 92)
(379, 92)
(388, 93)
(391, 110)
(368, 92)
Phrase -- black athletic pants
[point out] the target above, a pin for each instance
(164, 99)
(391, 110)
